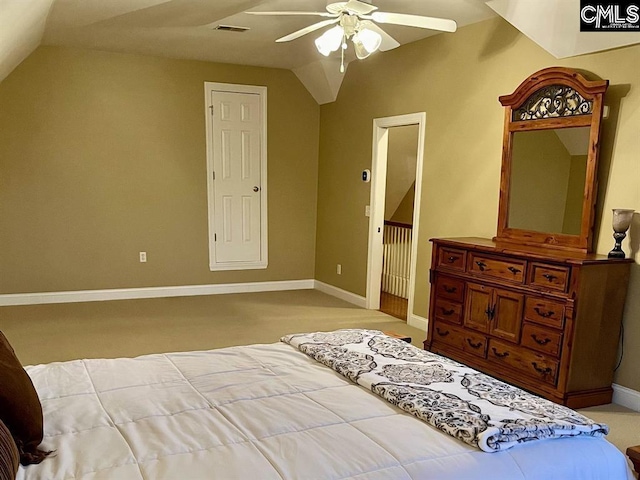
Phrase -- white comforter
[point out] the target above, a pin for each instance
(261, 412)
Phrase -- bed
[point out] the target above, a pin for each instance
(269, 412)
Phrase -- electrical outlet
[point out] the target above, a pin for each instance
(367, 211)
(143, 257)
(339, 269)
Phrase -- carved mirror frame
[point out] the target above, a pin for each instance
(552, 98)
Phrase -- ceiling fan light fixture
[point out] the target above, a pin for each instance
(369, 39)
(330, 40)
(361, 51)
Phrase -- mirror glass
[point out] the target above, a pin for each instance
(548, 172)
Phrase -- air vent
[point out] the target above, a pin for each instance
(231, 28)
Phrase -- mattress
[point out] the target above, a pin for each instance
(264, 412)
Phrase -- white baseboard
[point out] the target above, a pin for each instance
(151, 292)
(417, 322)
(358, 300)
(626, 397)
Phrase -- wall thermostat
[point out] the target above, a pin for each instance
(366, 175)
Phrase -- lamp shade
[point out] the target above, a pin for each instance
(361, 51)
(330, 40)
(622, 219)
(370, 39)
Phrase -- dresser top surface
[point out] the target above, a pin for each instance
(538, 253)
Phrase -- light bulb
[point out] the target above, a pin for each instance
(330, 40)
(369, 39)
(361, 52)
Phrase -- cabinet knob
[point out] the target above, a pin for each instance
(514, 270)
(441, 333)
(490, 312)
(474, 345)
(498, 354)
(544, 341)
(540, 370)
(542, 313)
(549, 277)
(481, 265)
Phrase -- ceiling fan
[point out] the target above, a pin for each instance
(357, 21)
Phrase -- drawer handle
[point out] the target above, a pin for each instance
(538, 341)
(447, 312)
(498, 354)
(541, 371)
(542, 313)
(449, 289)
(481, 265)
(490, 312)
(441, 333)
(549, 277)
(474, 345)
(514, 270)
(452, 259)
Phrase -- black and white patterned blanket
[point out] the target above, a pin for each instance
(473, 407)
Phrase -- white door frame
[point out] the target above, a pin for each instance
(376, 221)
(209, 87)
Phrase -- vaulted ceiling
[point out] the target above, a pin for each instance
(186, 29)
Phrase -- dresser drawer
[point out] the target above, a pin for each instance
(450, 288)
(507, 269)
(452, 258)
(549, 277)
(544, 312)
(541, 339)
(447, 310)
(530, 363)
(460, 338)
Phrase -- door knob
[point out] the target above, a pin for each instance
(256, 189)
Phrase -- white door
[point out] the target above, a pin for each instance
(236, 179)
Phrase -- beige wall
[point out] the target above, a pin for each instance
(456, 79)
(102, 155)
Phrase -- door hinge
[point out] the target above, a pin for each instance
(215, 237)
(211, 108)
(214, 175)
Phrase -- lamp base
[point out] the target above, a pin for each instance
(616, 254)
(617, 251)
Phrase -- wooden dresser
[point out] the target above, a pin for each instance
(545, 320)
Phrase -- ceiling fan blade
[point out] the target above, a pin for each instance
(432, 23)
(359, 8)
(388, 42)
(305, 30)
(319, 14)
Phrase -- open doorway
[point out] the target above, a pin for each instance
(398, 146)
(402, 155)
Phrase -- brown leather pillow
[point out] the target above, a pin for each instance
(9, 456)
(20, 407)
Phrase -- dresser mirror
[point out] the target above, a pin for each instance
(549, 160)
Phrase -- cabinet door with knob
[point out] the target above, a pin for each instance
(494, 310)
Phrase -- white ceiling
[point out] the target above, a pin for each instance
(555, 26)
(184, 29)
